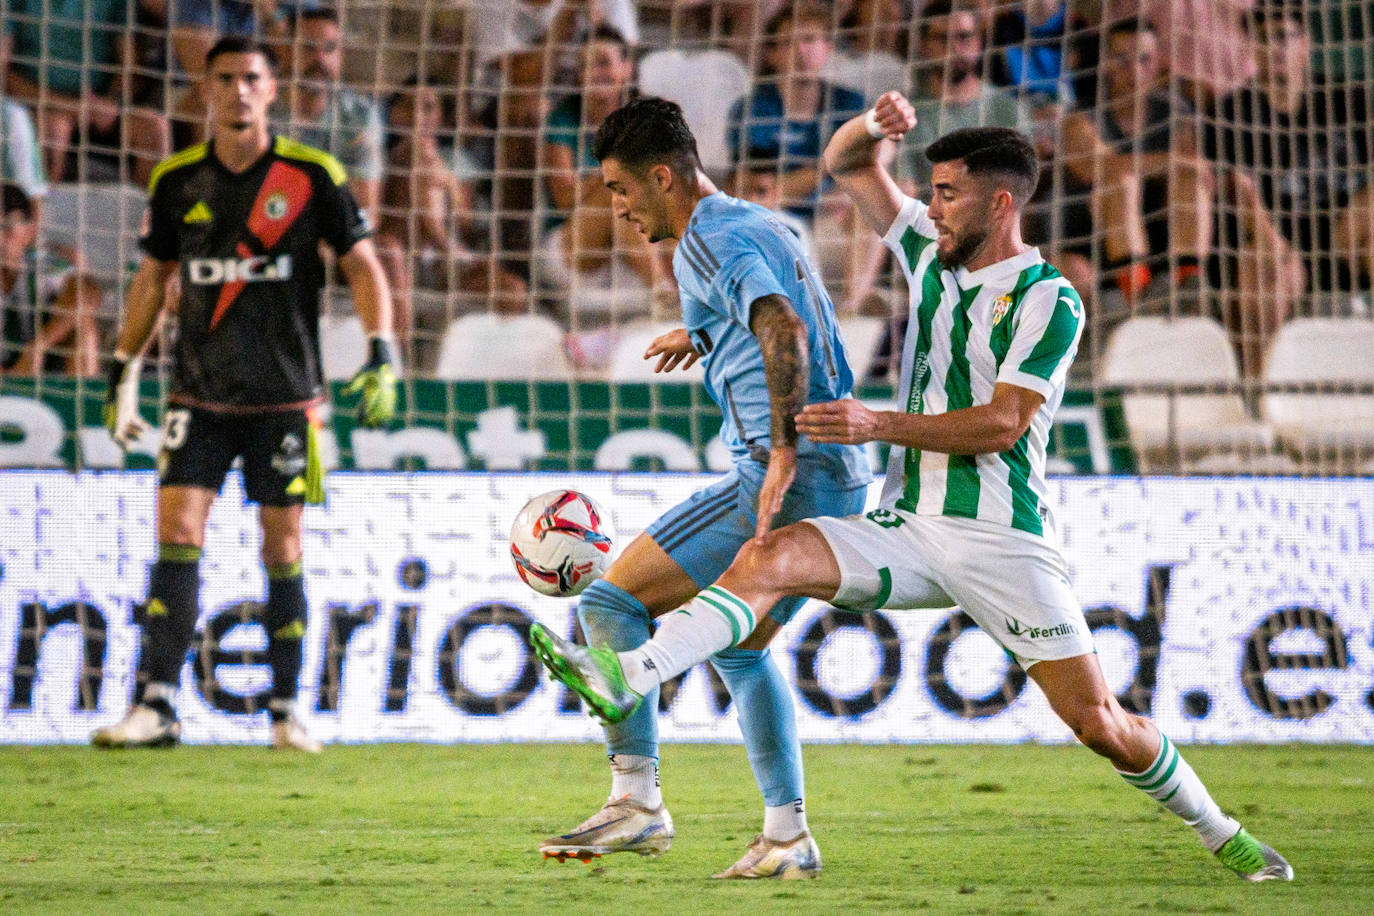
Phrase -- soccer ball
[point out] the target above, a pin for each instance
(561, 543)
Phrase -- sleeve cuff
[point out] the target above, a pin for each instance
(905, 217)
(1035, 383)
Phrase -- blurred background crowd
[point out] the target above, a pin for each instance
(1206, 177)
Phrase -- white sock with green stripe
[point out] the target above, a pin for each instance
(1172, 782)
(712, 621)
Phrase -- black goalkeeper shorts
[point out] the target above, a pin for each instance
(277, 448)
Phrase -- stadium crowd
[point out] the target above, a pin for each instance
(1200, 157)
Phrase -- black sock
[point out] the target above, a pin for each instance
(170, 614)
(286, 610)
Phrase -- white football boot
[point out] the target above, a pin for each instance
(288, 735)
(620, 826)
(799, 857)
(143, 726)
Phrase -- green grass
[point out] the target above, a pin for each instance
(413, 829)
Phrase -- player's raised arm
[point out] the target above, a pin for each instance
(857, 153)
(142, 306)
(782, 340)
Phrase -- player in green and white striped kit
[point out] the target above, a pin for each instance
(964, 518)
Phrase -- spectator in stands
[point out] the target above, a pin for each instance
(732, 24)
(319, 112)
(1297, 151)
(46, 312)
(1204, 42)
(787, 119)
(21, 161)
(756, 180)
(1036, 49)
(875, 26)
(69, 60)
(949, 90)
(792, 112)
(591, 255)
(425, 235)
(520, 52)
(1137, 156)
(21, 170)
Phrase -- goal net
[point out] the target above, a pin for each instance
(1204, 186)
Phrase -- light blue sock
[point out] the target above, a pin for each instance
(612, 617)
(767, 721)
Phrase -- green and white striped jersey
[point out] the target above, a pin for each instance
(1017, 321)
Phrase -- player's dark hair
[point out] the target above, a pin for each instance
(15, 200)
(242, 44)
(1266, 12)
(799, 12)
(937, 8)
(607, 33)
(317, 14)
(1131, 25)
(1003, 154)
(646, 132)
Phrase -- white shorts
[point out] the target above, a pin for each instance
(1015, 586)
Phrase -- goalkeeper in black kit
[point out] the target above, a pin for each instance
(240, 218)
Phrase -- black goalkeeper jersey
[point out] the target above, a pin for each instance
(251, 273)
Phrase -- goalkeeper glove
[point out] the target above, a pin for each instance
(376, 383)
(120, 411)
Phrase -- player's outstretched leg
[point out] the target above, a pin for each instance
(170, 618)
(591, 672)
(768, 722)
(1146, 758)
(1173, 783)
(634, 818)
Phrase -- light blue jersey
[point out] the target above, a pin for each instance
(732, 254)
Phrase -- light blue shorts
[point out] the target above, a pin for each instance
(703, 534)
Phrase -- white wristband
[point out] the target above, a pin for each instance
(871, 125)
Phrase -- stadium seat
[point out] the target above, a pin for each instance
(343, 346)
(862, 334)
(1327, 426)
(627, 358)
(98, 221)
(1169, 430)
(705, 84)
(515, 347)
(871, 74)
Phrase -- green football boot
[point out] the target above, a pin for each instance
(1253, 860)
(593, 674)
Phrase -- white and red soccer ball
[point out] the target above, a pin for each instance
(561, 542)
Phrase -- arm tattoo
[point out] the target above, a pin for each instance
(782, 338)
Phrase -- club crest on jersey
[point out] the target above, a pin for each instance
(276, 205)
(1000, 305)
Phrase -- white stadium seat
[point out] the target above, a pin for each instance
(871, 74)
(862, 334)
(627, 359)
(705, 84)
(489, 346)
(100, 222)
(1165, 427)
(1328, 424)
(343, 346)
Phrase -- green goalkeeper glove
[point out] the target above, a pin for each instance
(376, 383)
(120, 410)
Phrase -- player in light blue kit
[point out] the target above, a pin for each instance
(758, 318)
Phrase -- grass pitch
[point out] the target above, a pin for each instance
(416, 829)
